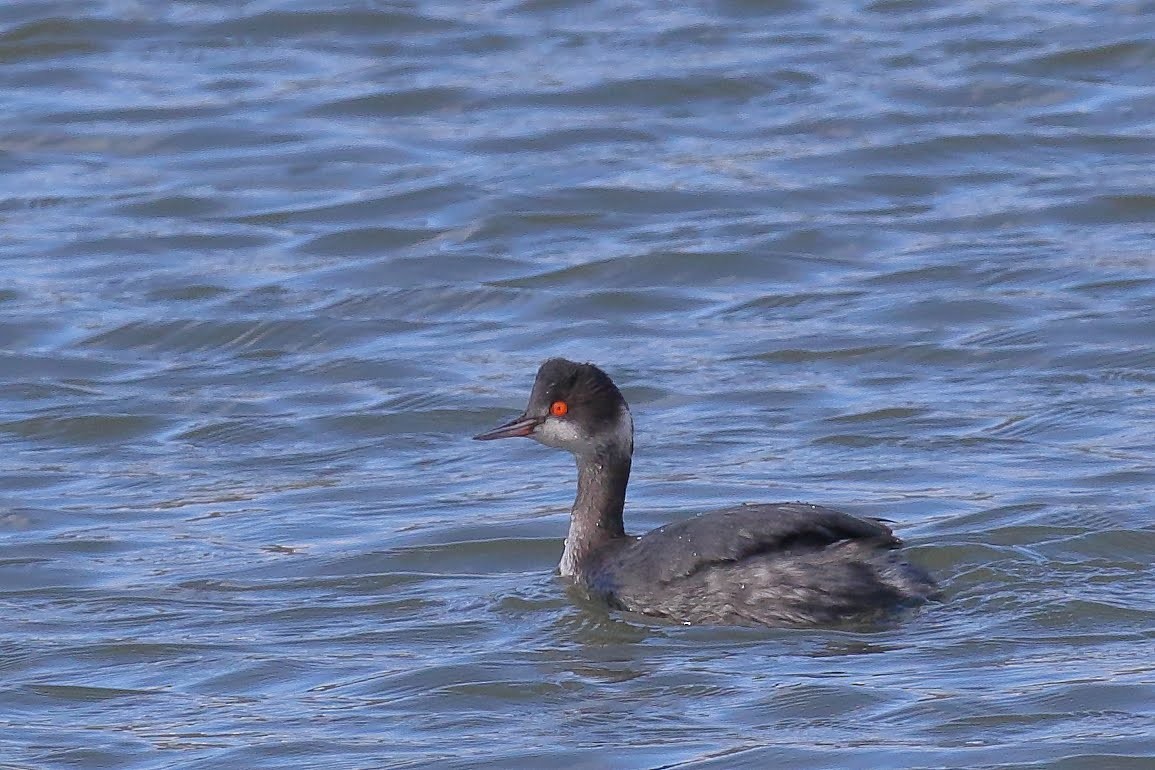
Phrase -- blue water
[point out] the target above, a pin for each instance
(267, 266)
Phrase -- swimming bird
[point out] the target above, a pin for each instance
(772, 564)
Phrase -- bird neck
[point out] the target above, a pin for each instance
(596, 518)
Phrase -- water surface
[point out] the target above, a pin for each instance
(268, 265)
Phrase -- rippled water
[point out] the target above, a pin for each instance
(266, 266)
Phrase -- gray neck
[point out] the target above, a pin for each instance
(596, 518)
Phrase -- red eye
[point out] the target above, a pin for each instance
(558, 408)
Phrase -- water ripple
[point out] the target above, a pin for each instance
(269, 267)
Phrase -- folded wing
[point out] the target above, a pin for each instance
(680, 549)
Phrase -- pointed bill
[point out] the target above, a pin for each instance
(520, 426)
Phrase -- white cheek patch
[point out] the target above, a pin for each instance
(562, 434)
(565, 434)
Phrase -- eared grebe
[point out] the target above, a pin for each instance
(775, 564)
